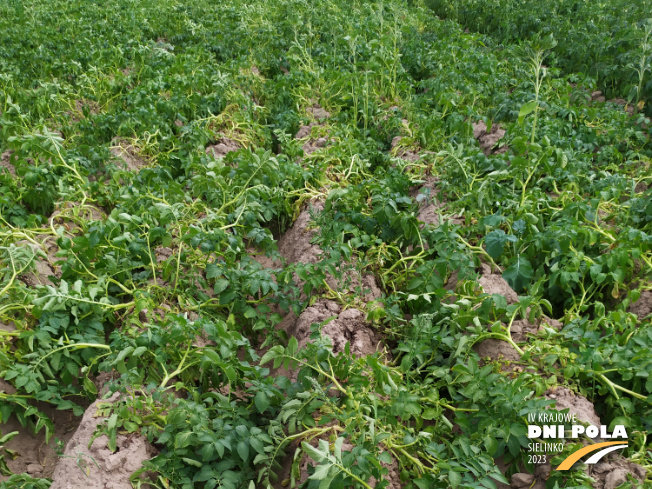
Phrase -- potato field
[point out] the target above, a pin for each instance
(327, 244)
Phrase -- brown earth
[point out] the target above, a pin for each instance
(100, 468)
(163, 253)
(431, 203)
(622, 102)
(393, 476)
(88, 212)
(523, 327)
(41, 274)
(262, 258)
(496, 350)
(494, 283)
(575, 403)
(342, 325)
(295, 247)
(643, 306)
(312, 144)
(5, 162)
(522, 480)
(35, 457)
(317, 112)
(304, 131)
(597, 96)
(347, 325)
(78, 113)
(301, 473)
(295, 244)
(609, 474)
(222, 148)
(350, 282)
(488, 140)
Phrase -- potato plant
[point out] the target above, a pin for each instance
(151, 169)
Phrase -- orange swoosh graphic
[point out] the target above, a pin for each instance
(575, 456)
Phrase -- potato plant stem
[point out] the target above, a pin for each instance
(72, 346)
(613, 385)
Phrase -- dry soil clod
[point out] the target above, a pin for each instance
(295, 244)
(222, 148)
(497, 350)
(431, 204)
(576, 404)
(597, 96)
(494, 283)
(347, 325)
(350, 324)
(643, 306)
(312, 144)
(609, 474)
(5, 162)
(317, 112)
(101, 468)
(488, 140)
(36, 458)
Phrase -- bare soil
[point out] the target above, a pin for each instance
(100, 468)
(36, 457)
(347, 325)
(295, 247)
(295, 244)
(317, 112)
(643, 306)
(432, 203)
(163, 253)
(523, 327)
(598, 96)
(609, 474)
(222, 148)
(575, 403)
(5, 163)
(88, 212)
(494, 283)
(312, 144)
(496, 350)
(352, 282)
(489, 139)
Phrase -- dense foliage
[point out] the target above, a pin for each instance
(606, 40)
(157, 279)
